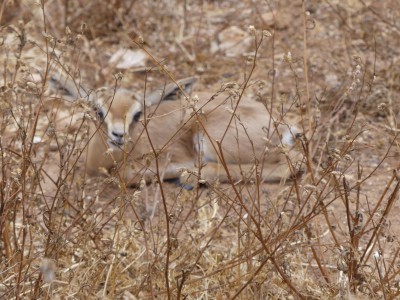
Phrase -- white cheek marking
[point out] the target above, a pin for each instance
(108, 120)
(128, 118)
(135, 108)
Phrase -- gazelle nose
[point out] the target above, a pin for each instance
(118, 134)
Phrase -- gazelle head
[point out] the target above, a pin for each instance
(119, 110)
(116, 114)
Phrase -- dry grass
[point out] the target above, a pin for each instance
(332, 65)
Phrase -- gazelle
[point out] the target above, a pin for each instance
(216, 137)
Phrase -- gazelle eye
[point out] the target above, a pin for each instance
(99, 113)
(136, 117)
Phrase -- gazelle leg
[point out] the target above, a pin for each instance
(212, 172)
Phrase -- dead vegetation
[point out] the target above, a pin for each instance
(333, 233)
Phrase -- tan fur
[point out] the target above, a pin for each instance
(189, 136)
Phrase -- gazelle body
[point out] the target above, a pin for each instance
(217, 137)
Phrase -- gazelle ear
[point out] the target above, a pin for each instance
(171, 91)
(67, 88)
